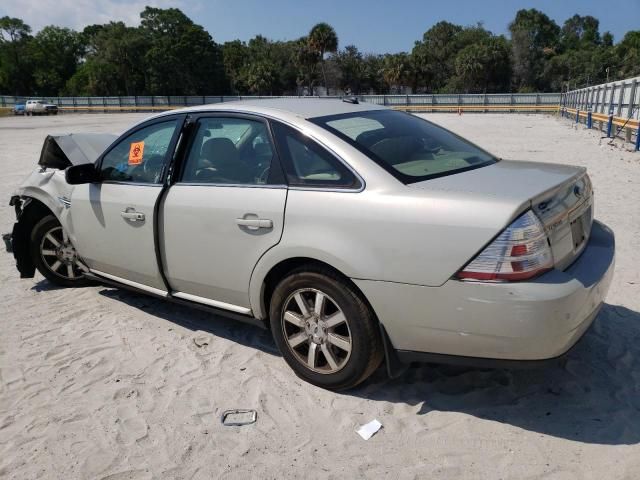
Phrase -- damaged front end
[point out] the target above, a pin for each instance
(45, 191)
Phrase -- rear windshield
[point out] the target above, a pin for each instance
(410, 148)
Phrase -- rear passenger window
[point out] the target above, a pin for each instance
(308, 164)
(229, 151)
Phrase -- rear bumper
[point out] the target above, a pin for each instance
(536, 320)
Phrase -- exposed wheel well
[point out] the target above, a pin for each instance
(35, 210)
(30, 211)
(282, 269)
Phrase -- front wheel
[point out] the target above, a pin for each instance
(324, 329)
(54, 255)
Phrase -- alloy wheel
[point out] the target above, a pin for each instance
(316, 331)
(60, 256)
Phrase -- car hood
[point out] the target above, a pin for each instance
(62, 151)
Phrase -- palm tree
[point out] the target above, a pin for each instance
(305, 60)
(395, 69)
(322, 39)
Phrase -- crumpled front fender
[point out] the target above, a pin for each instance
(43, 193)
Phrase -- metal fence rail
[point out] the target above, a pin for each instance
(435, 102)
(621, 98)
(611, 107)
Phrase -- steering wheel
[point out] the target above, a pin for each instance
(430, 149)
(264, 176)
(152, 168)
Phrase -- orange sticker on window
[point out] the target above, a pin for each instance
(136, 152)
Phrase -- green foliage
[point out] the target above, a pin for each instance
(16, 72)
(534, 39)
(168, 54)
(396, 69)
(484, 66)
(350, 63)
(114, 64)
(56, 54)
(628, 53)
(181, 58)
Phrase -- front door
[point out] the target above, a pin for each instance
(112, 222)
(224, 212)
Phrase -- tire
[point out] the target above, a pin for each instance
(322, 349)
(57, 263)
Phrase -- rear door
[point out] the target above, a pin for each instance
(225, 210)
(113, 220)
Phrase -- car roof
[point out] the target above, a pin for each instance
(278, 107)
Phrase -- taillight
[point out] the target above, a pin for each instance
(520, 252)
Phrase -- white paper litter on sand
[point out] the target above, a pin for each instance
(368, 430)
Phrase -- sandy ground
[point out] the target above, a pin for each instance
(102, 383)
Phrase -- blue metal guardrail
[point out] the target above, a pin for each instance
(614, 106)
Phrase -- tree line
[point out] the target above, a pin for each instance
(168, 54)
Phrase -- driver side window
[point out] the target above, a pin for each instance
(141, 156)
(229, 151)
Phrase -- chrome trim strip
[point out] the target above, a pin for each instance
(327, 189)
(140, 184)
(568, 215)
(212, 303)
(65, 202)
(137, 285)
(235, 185)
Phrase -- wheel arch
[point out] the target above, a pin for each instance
(260, 302)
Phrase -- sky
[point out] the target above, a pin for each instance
(377, 27)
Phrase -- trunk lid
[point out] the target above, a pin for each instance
(560, 195)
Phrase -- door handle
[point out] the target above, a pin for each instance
(132, 215)
(254, 223)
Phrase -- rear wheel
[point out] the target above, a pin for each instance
(325, 330)
(54, 255)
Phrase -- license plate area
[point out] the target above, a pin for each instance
(577, 232)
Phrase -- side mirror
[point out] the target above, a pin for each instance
(83, 173)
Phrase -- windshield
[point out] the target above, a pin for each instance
(410, 148)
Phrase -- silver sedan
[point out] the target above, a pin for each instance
(357, 234)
